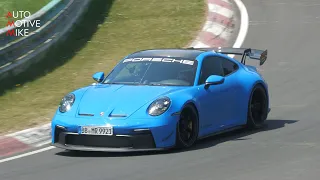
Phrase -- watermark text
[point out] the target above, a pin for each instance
(22, 25)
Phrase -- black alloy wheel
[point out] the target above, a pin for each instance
(187, 127)
(258, 107)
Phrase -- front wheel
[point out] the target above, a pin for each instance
(187, 127)
(258, 107)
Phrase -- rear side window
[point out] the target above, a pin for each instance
(228, 67)
(210, 66)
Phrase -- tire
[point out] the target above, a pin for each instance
(257, 107)
(184, 138)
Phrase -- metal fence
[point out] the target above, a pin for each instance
(57, 19)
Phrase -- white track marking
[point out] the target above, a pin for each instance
(45, 126)
(213, 27)
(33, 136)
(244, 25)
(43, 143)
(220, 10)
(217, 29)
(26, 154)
(227, 1)
(240, 39)
(199, 44)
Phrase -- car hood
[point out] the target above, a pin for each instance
(118, 100)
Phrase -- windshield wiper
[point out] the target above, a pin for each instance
(159, 84)
(124, 83)
(165, 84)
(113, 83)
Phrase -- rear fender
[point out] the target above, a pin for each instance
(249, 79)
(252, 68)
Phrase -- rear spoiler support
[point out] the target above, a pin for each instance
(256, 54)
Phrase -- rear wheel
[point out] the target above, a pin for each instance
(258, 107)
(187, 127)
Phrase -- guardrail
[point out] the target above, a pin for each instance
(57, 19)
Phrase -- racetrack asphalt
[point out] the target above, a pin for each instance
(287, 148)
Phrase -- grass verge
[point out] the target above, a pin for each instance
(110, 31)
(19, 5)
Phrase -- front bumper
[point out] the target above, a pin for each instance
(137, 141)
(104, 149)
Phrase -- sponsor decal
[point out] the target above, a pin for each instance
(157, 59)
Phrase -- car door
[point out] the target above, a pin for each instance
(212, 113)
(230, 93)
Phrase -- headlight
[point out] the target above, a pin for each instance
(66, 103)
(159, 106)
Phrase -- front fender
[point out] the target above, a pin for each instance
(78, 95)
(180, 103)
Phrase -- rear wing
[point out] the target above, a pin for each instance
(255, 54)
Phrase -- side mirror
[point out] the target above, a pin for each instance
(213, 80)
(99, 76)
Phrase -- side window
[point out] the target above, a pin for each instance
(210, 66)
(228, 67)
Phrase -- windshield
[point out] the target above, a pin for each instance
(155, 71)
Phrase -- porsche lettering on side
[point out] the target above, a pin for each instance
(164, 98)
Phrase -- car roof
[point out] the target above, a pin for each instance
(181, 53)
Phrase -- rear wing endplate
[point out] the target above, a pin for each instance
(256, 54)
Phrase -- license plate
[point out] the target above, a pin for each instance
(93, 130)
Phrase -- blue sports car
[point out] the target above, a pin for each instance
(163, 98)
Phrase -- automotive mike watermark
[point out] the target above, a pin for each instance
(22, 25)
